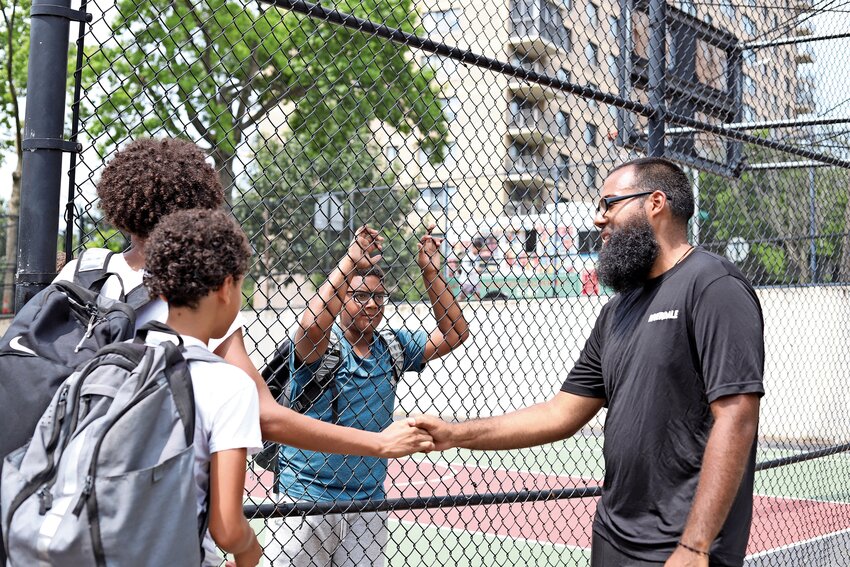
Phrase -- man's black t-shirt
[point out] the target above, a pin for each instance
(659, 355)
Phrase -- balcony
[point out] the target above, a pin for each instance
(537, 28)
(805, 54)
(805, 102)
(529, 125)
(533, 91)
(530, 171)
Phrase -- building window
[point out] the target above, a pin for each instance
(563, 75)
(728, 8)
(687, 6)
(562, 120)
(390, 153)
(443, 66)
(440, 24)
(562, 163)
(591, 102)
(522, 60)
(614, 24)
(748, 25)
(590, 135)
(591, 52)
(748, 114)
(450, 107)
(749, 85)
(434, 198)
(613, 68)
(590, 174)
(592, 14)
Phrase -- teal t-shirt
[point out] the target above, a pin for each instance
(366, 401)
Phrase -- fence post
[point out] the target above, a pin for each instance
(43, 146)
(657, 75)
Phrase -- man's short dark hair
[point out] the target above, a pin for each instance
(149, 179)
(190, 254)
(659, 174)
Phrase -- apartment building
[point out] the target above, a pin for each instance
(518, 148)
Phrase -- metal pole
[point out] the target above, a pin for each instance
(657, 75)
(813, 253)
(695, 224)
(43, 145)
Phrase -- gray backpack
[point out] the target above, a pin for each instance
(108, 477)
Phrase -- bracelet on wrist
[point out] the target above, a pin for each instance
(693, 549)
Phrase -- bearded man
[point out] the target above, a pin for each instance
(677, 357)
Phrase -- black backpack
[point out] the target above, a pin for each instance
(277, 376)
(56, 331)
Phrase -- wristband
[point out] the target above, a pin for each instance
(693, 549)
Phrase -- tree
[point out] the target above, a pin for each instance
(215, 69)
(772, 210)
(278, 202)
(14, 50)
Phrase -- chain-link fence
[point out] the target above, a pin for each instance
(497, 123)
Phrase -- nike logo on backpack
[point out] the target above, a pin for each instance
(15, 344)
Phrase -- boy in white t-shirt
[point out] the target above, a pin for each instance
(195, 260)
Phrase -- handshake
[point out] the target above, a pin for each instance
(419, 434)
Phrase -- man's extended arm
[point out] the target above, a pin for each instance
(452, 328)
(283, 425)
(724, 461)
(555, 419)
(313, 332)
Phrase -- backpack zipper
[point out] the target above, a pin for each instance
(94, 320)
(32, 485)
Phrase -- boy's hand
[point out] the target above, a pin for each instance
(403, 438)
(428, 258)
(362, 249)
(248, 558)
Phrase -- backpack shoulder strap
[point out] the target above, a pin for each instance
(91, 270)
(322, 380)
(396, 351)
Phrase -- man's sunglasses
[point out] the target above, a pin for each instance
(606, 202)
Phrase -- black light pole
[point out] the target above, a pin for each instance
(43, 145)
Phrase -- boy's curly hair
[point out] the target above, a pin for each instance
(149, 179)
(190, 254)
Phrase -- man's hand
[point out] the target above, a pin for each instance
(428, 258)
(403, 438)
(686, 558)
(440, 431)
(362, 249)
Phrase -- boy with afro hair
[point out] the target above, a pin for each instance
(149, 179)
(195, 260)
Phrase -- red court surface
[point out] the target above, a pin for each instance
(777, 522)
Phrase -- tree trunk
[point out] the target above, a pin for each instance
(12, 240)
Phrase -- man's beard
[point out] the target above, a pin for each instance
(627, 257)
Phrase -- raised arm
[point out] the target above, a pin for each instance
(452, 328)
(558, 418)
(313, 332)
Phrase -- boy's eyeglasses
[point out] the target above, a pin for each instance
(606, 202)
(363, 297)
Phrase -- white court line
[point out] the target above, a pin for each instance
(505, 538)
(774, 550)
(514, 470)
